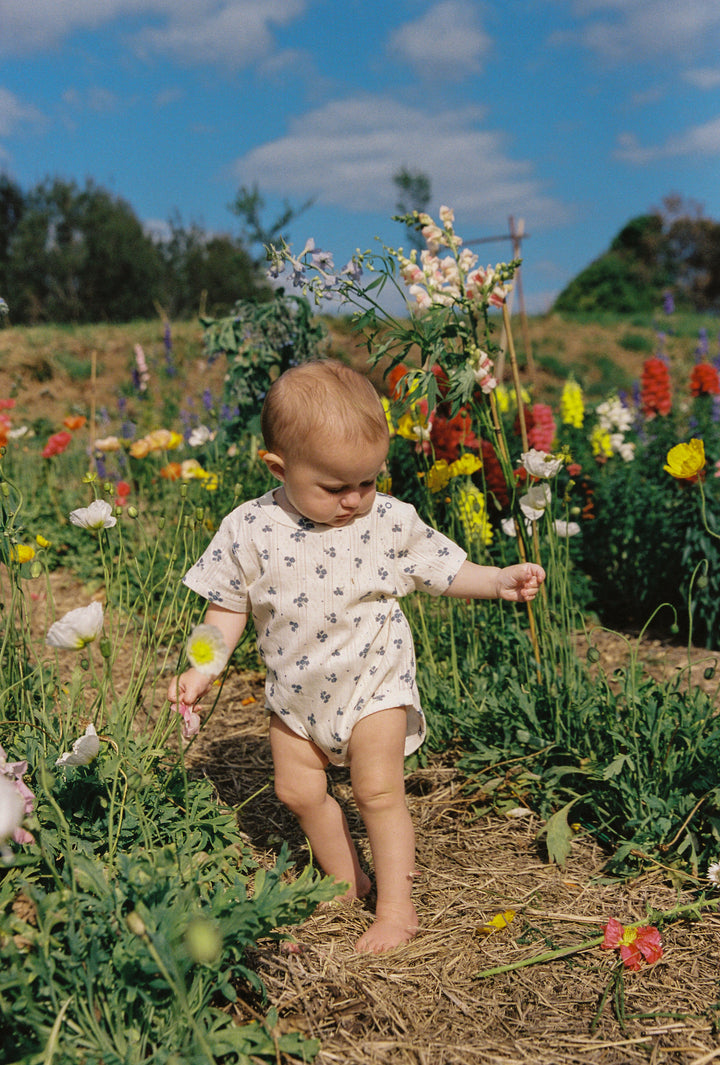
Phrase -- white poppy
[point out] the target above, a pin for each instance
(200, 435)
(536, 501)
(98, 515)
(76, 628)
(207, 650)
(566, 528)
(12, 809)
(541, 463)
(84, 750)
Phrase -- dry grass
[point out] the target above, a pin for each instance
(424, 1003)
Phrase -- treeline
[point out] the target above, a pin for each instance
(673, 252)
(70, 254)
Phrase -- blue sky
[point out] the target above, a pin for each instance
(573, 115)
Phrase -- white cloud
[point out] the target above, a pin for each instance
(447, 41)
(346, 153)
(628, 30)
(702, 140)
(703, 77)
(231, 32)
(14, 113)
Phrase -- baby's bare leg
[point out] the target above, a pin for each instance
(301, 784)
(377, 751)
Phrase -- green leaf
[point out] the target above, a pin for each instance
(558, 834)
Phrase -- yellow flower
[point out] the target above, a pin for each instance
(465, 465)
(600, 442)
(41, 541)
(497, 923)
(473, 514)
(387, 407)
(22, 552)
(191, 468)
(438, 475)
(413, 425)
(686, 460)
(571, 404)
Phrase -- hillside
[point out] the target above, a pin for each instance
(48, 369)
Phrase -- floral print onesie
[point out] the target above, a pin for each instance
(335, 643)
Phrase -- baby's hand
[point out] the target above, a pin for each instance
(189, 687)
(520, 584)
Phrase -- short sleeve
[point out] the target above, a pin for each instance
(427, 560)
(217, 575)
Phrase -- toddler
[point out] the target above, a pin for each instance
(320, 563)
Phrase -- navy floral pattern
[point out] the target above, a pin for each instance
(336, 644)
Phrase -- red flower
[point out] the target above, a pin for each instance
(492, 475)
(394, 377)
(704, 380)
(123, 490)
(56, 444)
(655, 395)
(634, 943)
(449, 434)
(7, 404)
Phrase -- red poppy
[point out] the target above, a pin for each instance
(56, 444)
(7, 404)
(395, 377)
(634, 943)
(704, 380)
(123, 490)
(655, 394)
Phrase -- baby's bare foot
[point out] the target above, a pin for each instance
(388, 931)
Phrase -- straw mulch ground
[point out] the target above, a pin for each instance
(424, 1004)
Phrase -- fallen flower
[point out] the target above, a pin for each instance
(76, 628)
(496, 923)
(207, 650)
(713, 873)
(84, 750)
(98, 515)
(634, 943)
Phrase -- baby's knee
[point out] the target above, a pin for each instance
(297, 794)
(378, 796)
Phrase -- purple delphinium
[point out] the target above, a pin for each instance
(207, 400)
(668, 303)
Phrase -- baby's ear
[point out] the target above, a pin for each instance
(275, 464)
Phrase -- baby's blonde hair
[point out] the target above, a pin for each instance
(320, 400)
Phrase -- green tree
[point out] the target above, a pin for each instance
(80, 256)
(213, 272)
(249, 205)
(12, 205)
(414, 191)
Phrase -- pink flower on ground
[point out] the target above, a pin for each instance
(634, 943)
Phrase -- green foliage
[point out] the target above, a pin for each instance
(128, 920)
(637, 342)
(260, 341)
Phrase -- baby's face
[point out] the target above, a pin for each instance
(334, 485)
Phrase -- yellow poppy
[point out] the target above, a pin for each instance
(686, 460)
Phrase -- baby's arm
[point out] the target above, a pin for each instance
(518, 583)
(191, 685)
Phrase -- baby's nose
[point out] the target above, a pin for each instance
(352, 499)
